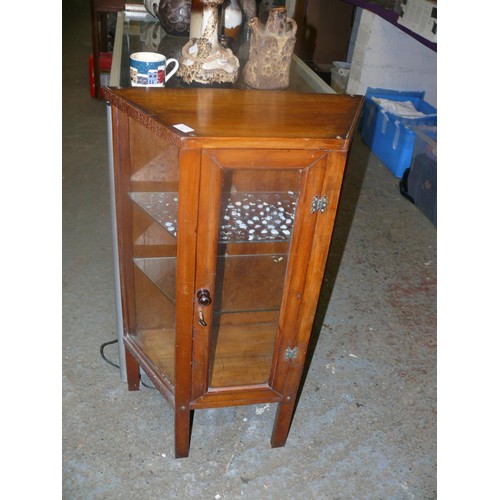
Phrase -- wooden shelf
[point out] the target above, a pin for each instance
(158, 344)
(243, 354)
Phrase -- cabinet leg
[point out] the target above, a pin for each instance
(133, 374)
(183, 420)
(282, 422)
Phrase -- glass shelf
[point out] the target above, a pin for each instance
(161, 206)
(161, 271)
(247, 217)
(257, 217)
(263, 276)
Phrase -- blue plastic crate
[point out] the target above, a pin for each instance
(389, 136)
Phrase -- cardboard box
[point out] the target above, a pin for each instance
(420, 16)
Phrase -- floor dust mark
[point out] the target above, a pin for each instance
(410, 291)
(261, 409)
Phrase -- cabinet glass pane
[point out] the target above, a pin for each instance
(153, 196)
(255, 228)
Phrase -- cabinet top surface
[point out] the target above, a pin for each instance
(238, 114)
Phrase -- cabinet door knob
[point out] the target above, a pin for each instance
(204, 298)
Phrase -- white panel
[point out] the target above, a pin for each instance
(385, 57)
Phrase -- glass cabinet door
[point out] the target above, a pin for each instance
(252, 208)
(153, 196)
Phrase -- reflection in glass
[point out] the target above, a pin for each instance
(255, 231)
(153, 196)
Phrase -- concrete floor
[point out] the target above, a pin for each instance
(365, 425)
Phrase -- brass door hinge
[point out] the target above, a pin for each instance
(319, 204)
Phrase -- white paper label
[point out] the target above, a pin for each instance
(183, 128)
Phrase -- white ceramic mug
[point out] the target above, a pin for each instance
(148, 69)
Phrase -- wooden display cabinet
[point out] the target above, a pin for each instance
(226, 201)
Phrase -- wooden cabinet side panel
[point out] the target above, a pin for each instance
(121, 154)
(189, 185)
(291, 375)
(321, 245)
(299, 261)
(188, 194)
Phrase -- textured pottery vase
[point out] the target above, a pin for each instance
(204, 60)
(271, 50)
(175, 16)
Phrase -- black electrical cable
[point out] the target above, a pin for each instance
(104, 357)
(146, 385)
(114, 364)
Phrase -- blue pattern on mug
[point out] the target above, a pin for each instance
(149, 69)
